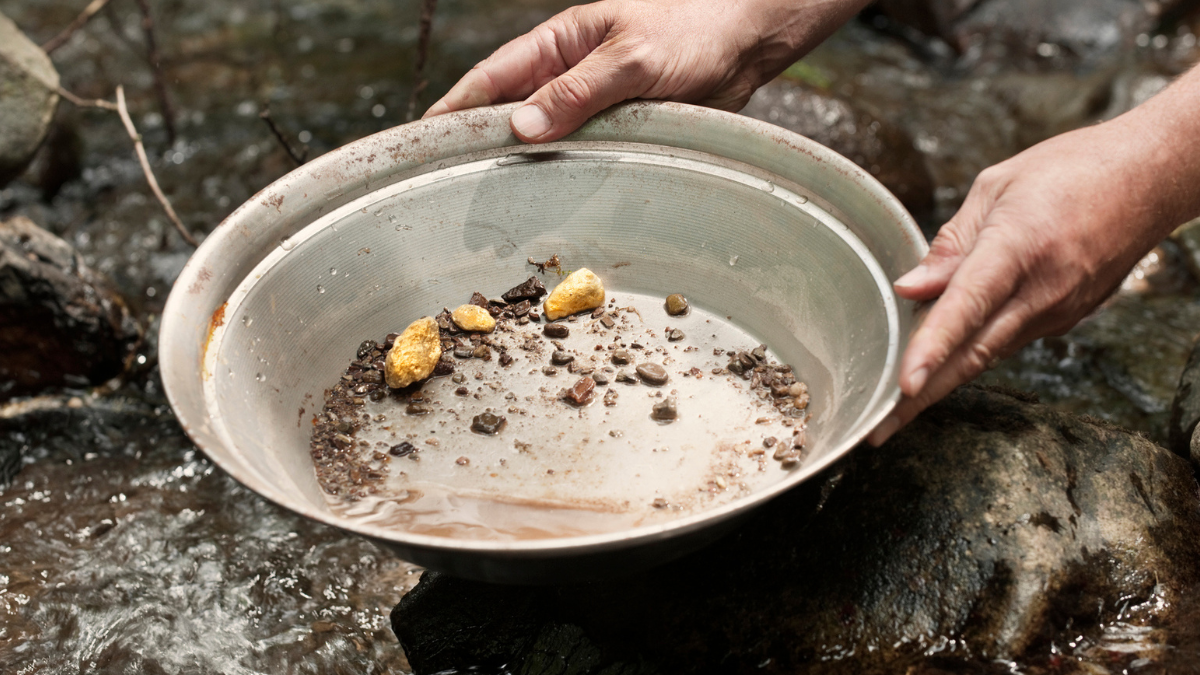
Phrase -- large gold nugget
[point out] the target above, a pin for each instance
(414, 355)
(581, 290)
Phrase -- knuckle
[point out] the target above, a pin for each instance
(977, 358)
(571, 93)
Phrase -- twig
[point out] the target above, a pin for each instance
(56, 88)
(145, 162)
(419, 82)
(88, 12)
(265, 116)
(160, 86)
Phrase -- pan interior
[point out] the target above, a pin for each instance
(650, 221)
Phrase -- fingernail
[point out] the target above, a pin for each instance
(884, 431)
(914, 277)
(917, 379)
(530, 121)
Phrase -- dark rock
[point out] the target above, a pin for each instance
(59, 321)
(532, 289)
(652, 374)
(27, 104)
(488, 423)
(479, 300)
(881, 148)
(1077, 28)
(1185, 409)
(65, 427)
(1002, 525)
(556, 330)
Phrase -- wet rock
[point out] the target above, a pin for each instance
(675, 335)
(60, 323)
(580, 393)
(999, 524)
(557, 331)
(69, 427)
(652, 374)
(881, 148)
(621, 357)
(581, 290)
(27, 105)
(1080, 29)
(488, 423)
(561, 358)
(473, 319)
(365, 349)
(402, 449)
(1185, 409)
(676, 304)
(531, 290)
(665, 410)
(414, 355)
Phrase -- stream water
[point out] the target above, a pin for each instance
(123, 550)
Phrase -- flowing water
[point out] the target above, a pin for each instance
(123, 550)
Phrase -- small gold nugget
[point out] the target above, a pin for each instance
(473, 319)
(581, 290)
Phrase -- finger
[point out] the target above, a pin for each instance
(1007, 331)
(527, 63)
(982, 284)
(608, 75)
(953, 242)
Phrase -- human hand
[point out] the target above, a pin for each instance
(1040, 240)
(710, 52)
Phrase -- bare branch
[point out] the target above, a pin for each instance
(160, 84)
(265, 116)
(88, 12)
(419, 82)
(54, 87)
(123, 111)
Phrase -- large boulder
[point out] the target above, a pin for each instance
(881, 148)
(989, 529)
(60, 324)
(26, 103)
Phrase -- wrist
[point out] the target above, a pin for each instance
(789, 29)
(1160, 140)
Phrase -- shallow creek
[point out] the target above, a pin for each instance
(123, 549)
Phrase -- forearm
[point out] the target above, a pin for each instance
(1164, 135)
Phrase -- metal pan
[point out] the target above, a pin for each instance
(793, 243)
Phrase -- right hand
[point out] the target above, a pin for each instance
(709, 52)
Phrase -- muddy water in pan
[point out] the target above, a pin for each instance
(632, 453)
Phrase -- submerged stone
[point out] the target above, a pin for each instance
(937, 535)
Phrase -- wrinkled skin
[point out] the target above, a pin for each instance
(710, 52)
(1041, 239)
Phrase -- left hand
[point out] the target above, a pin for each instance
(1040, 241)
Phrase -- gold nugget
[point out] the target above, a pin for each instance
(473, 319)
(414, 355)
(581, 290)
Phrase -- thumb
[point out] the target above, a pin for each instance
(601, 79)
(952, 244)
